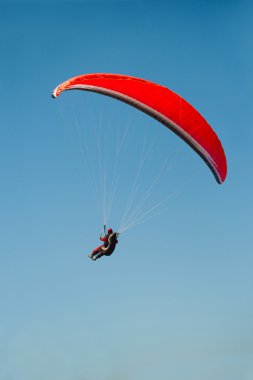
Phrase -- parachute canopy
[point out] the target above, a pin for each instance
(162, 104)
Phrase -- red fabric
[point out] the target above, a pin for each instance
(163, 104)
(96, 250)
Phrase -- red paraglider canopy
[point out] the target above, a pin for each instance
(162, 104)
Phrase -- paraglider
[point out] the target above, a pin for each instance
(110, 241)
(162, 104)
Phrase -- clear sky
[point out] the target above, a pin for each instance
(175, 300)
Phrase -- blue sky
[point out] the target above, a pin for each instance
(175, 301)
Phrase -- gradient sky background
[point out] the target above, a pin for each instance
(175, 301)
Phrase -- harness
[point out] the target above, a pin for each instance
(112, 241)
